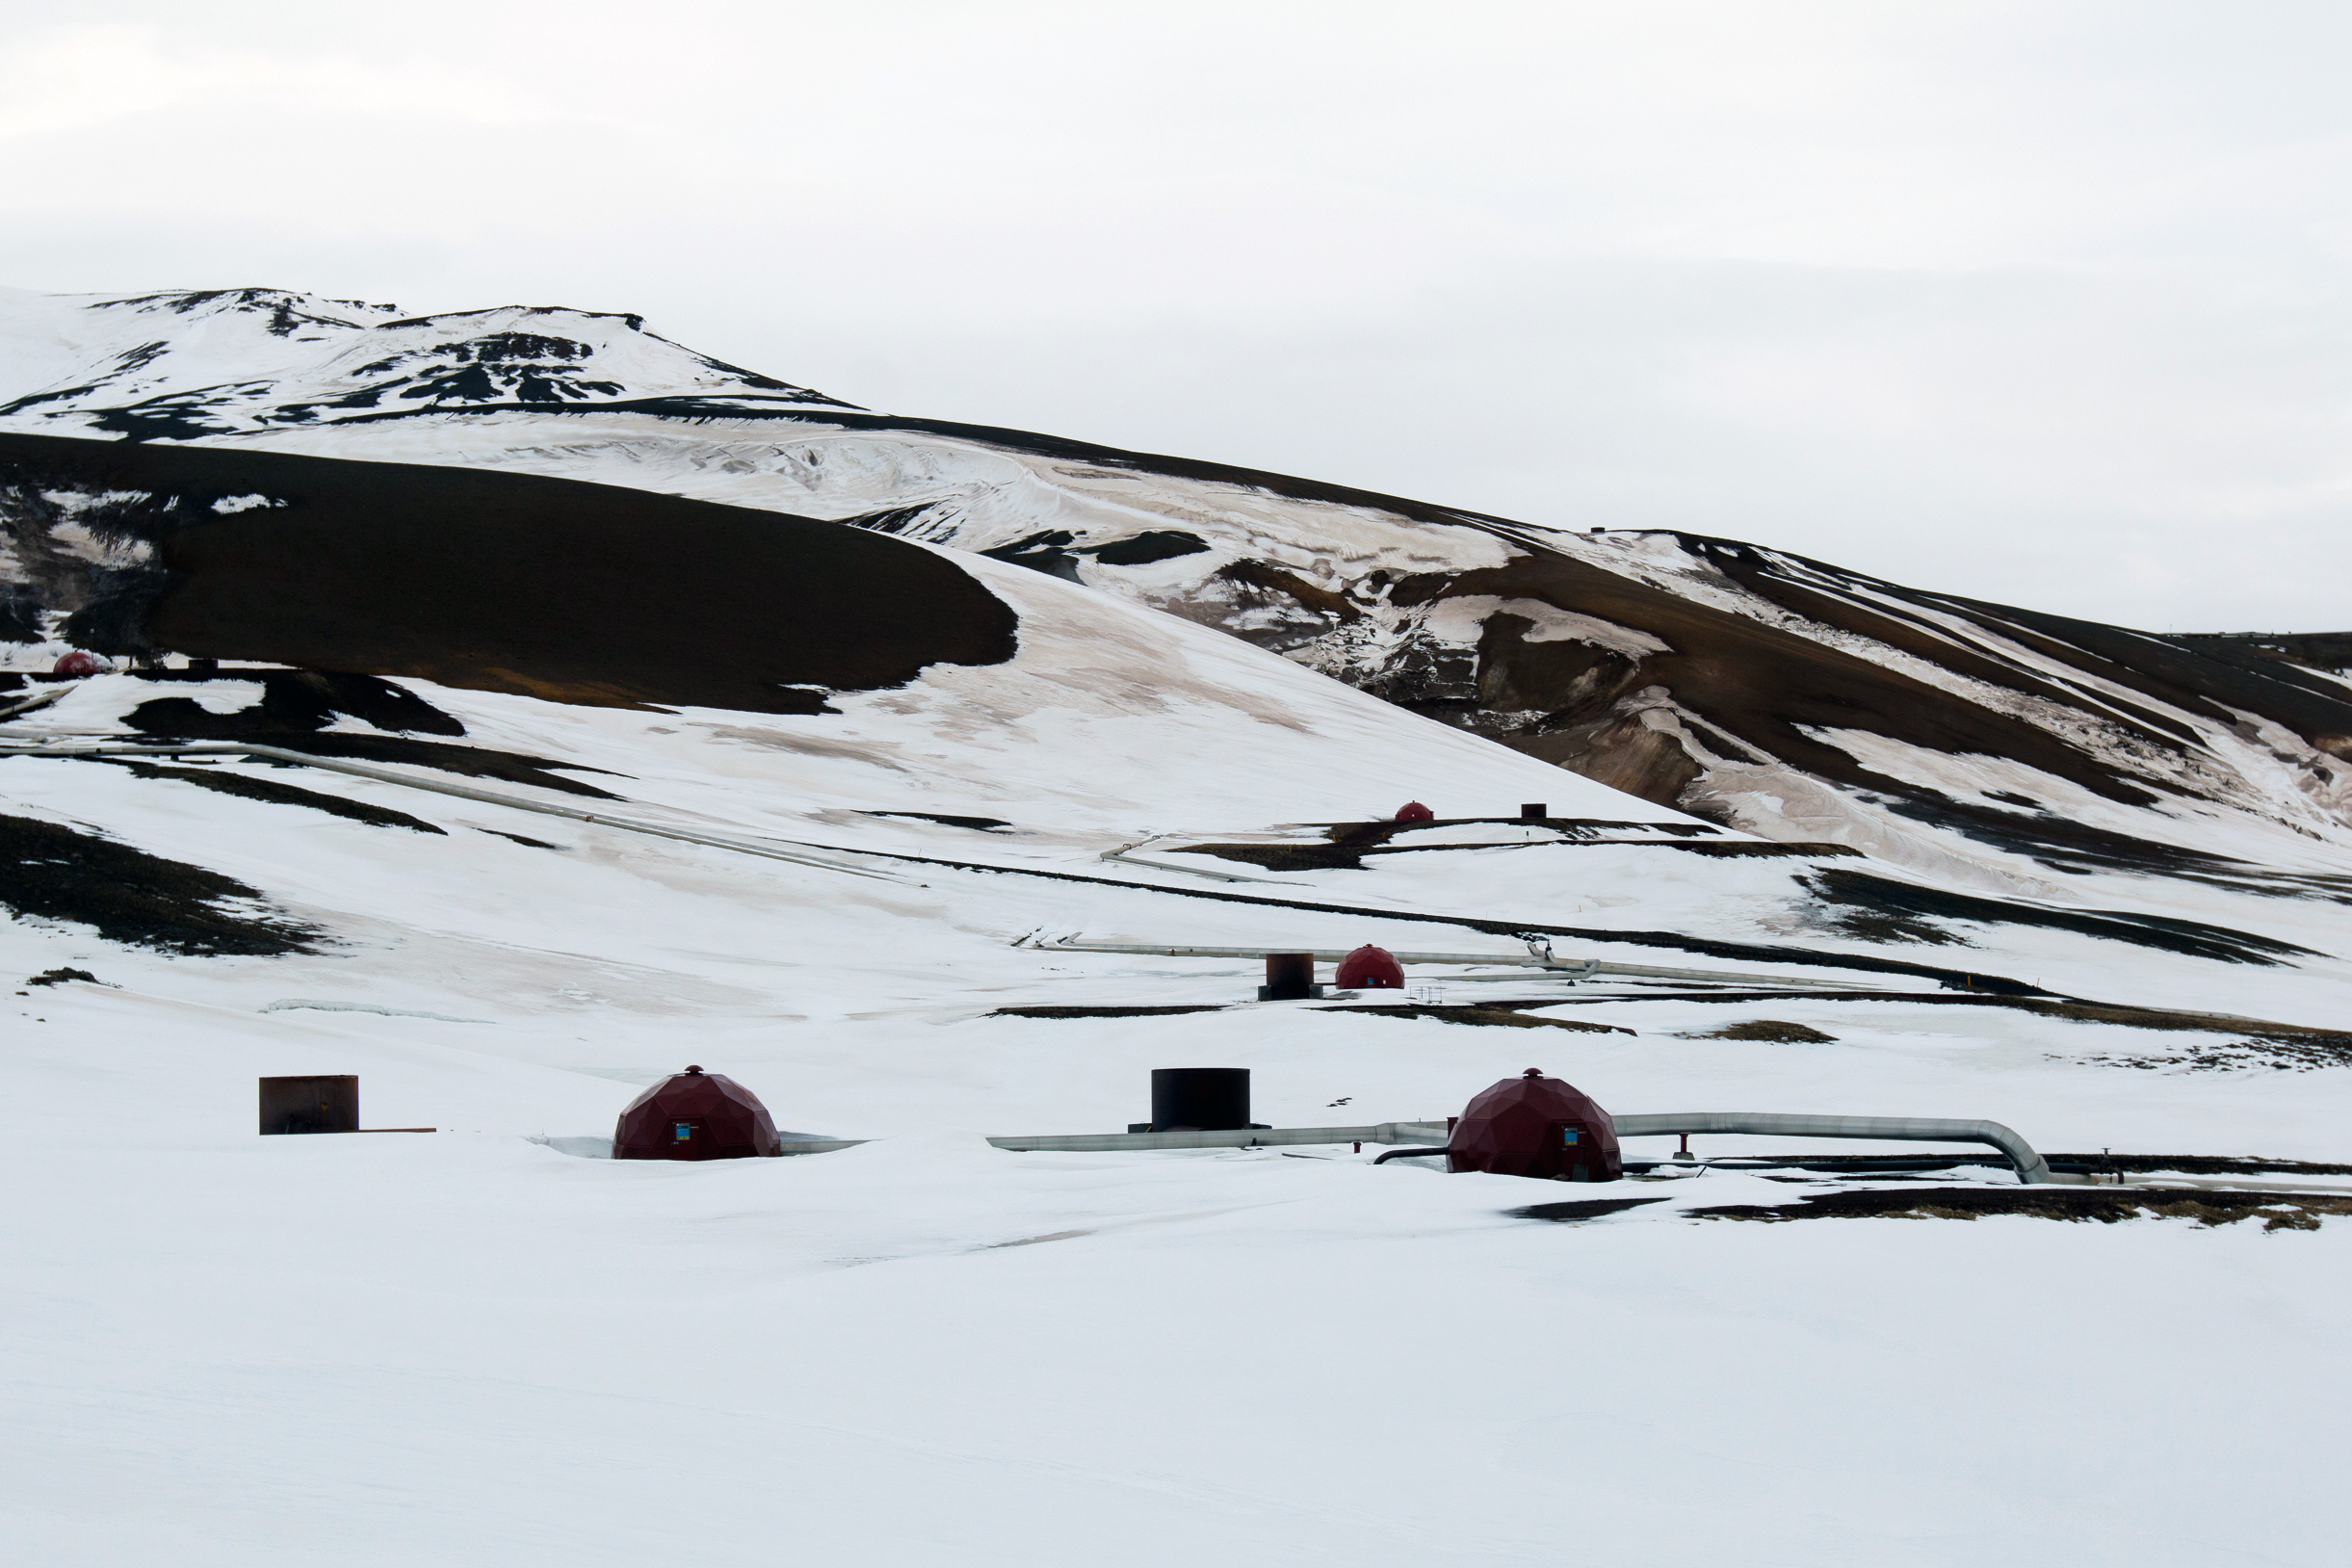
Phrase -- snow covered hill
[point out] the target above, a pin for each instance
(1779, 696)
(526, 733)
(183, 366)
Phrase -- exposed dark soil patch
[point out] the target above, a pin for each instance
(2085, 1012)
(1875, 908)
(553, 589)
(128, 895)
(895, 520)
(58, 976)
(1587, 1209)
(981, 825)
(469, 761)
(1048, 552)
(1281, 857)
(294, 699)
(2290, 1055)
(2077, 849)
(2194, 1165)
(1055, 552)
(2058, 843)
(1257, 579)
(466, 761)
(1473, 1013)
(1101, 1012)
(1735, 849)
(1149, 546)
(528, 843)
(2320, 650)
(2101, 1012)
(2107, 1206)
(1773, 1029)
(276, 793)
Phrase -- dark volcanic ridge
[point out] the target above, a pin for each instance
(547, 587)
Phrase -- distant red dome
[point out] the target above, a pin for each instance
(694, 1116)
(1371, 967)
(78, 663)
(1536, 1126)
(1413, 811)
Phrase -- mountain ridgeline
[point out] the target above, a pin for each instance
(746, 544)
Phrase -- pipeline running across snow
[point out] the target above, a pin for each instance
(821, 856)
(2030, 1166)
(1987, 988)
(1539, 956)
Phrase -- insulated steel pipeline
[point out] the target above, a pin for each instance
(1239, 1138)
(1558, 968)
(835, 857)
(2030, 1166)
(830, 858)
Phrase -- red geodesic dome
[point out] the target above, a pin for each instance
(1413, 811)
(694, 1116)
(78, 663)
(1535, 1126)
(1371, 967)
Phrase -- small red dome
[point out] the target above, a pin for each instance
(78, 663)
(1370, 968)
(1413, 811)
(1536, 1126)
(694, 1116)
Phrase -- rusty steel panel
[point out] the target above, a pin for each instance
(327, 1103)
(1201, 1099)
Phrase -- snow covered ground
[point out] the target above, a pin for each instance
(484, 1345)
(470, 1348)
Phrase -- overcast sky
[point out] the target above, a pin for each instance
(2041, 302)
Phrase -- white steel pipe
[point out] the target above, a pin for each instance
(1239, 1137)
(2030, 1166)
(1565, 969)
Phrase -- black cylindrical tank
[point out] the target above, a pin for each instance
(1199, 1099)
(1289, 977)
